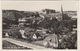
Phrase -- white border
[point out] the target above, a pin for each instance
(43, 50)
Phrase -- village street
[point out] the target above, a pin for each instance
(25, 44)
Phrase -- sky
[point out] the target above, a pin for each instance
(39, 5)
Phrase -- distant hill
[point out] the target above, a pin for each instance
(14, 14)
(71, 13)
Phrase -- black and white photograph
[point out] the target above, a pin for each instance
(39, 25)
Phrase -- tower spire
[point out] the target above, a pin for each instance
(62, 12)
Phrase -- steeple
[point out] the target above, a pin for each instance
(62, 12)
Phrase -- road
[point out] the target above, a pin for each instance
(25, 44)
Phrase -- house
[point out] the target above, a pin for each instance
(22, 21)
(48, 11)
(56, 15)
(51, 41)
(25, 21)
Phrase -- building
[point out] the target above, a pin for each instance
(48, 11)
(22, 21)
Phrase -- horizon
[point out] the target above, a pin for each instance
(34, 11)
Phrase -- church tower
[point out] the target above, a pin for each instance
(62, 13)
